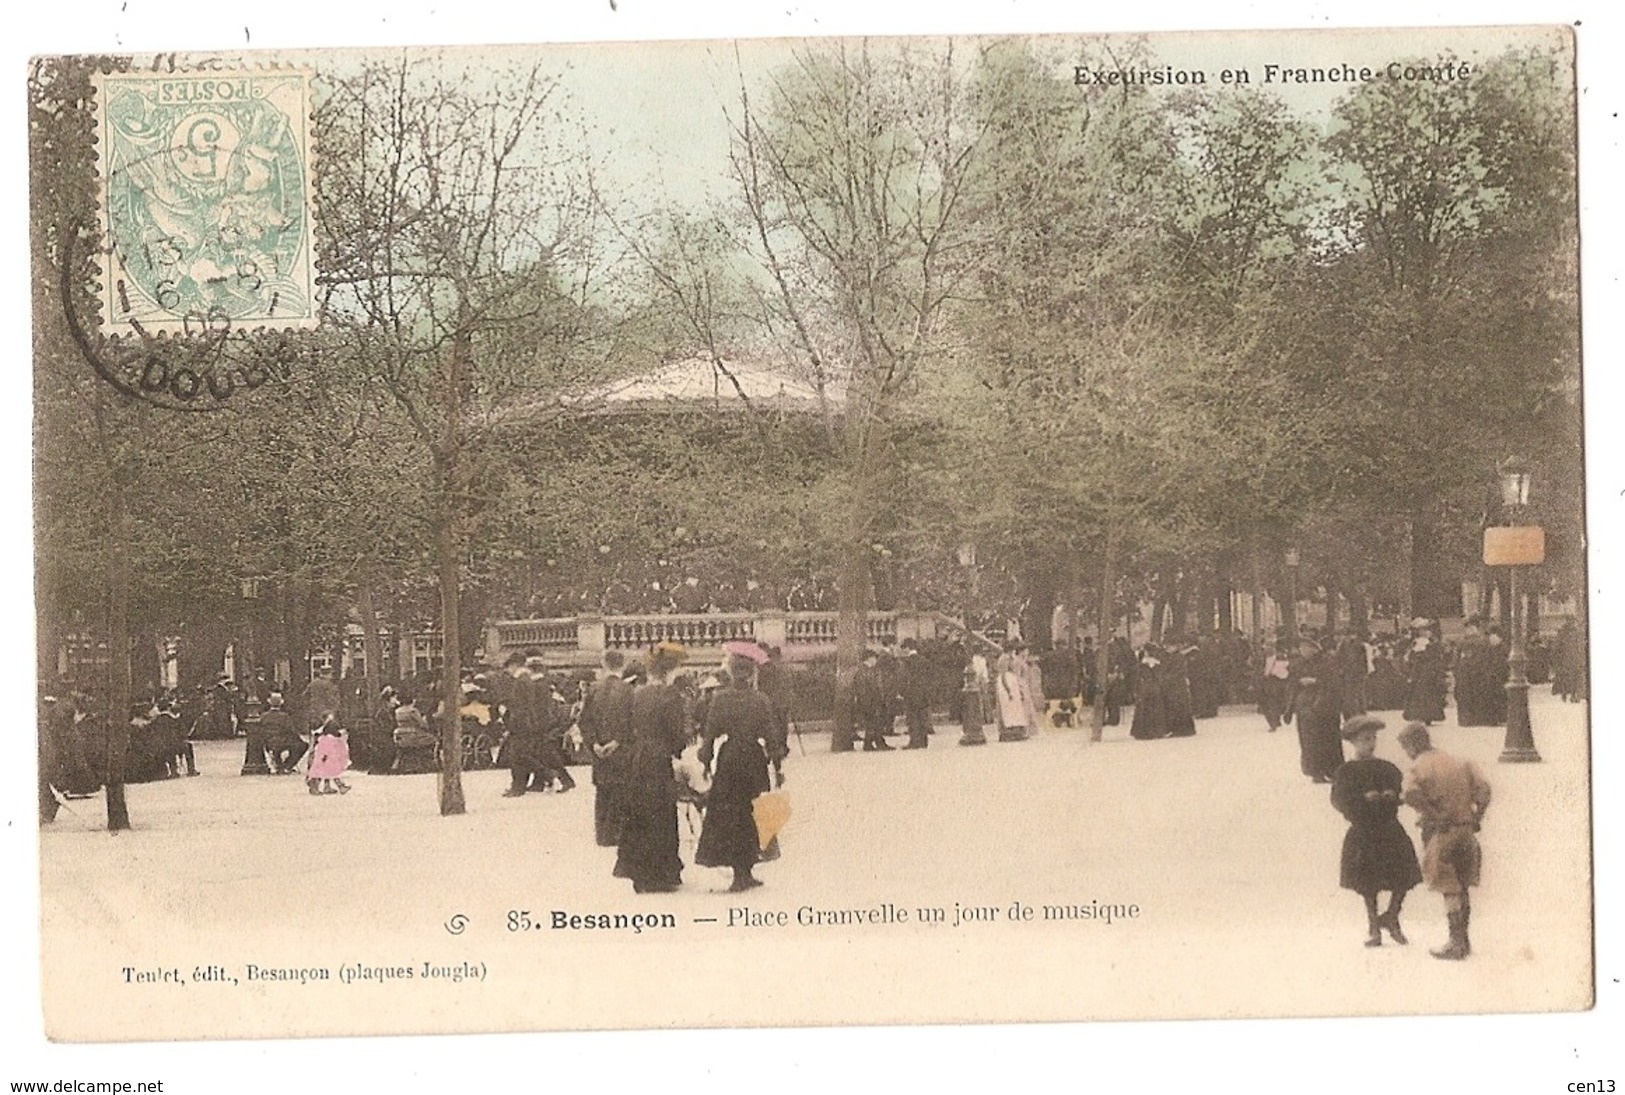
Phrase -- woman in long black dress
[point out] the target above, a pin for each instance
(1426, 675)
(739, 726)
(1150, 719)
(1177, 704)
(1377, 852)
(1317, 705)
(648, 849)
(1275, 688)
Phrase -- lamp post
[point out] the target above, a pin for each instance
(1291, 614)
(970, 690)
(1520, 740)
(254, 747)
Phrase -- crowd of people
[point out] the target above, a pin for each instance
(673, 749)
(658, 739)
(710, 745)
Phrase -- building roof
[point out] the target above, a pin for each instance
(699, 383)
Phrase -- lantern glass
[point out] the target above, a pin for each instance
(1291, 556)
(1514, 488)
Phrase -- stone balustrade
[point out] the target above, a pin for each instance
(802, 636)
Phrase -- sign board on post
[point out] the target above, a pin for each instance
(1514, 547)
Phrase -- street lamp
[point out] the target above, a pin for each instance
(1520, 739)
(254, 747)
(1291, 621)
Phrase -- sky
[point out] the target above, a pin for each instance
(658, 113)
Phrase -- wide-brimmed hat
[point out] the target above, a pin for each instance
(1420, 622)
(665, 656)
(1360, 724)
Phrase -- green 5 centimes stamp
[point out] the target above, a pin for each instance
(206, 200)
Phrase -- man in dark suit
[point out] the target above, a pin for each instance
(521, 749)
(606, 725)
(914, 687)
(871, 704)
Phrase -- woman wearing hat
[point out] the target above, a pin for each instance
(1317, 705)
(1275, 690)
(1377, 852)
(1426, 679)
(1150, 719)
(739, 729)
(648, 850)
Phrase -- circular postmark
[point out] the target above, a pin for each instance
(204, 364)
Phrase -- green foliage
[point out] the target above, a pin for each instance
(1040, 317)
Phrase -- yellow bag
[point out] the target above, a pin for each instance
(770, 810)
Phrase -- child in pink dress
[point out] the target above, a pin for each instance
(328, 761)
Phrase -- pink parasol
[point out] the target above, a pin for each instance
(741, 648)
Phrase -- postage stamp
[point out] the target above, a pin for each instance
(204, 192)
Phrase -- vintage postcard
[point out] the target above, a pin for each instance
(496, 507)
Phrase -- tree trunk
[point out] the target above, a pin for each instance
(1359, 611)
(1167, 594)
(1258, 592)
(1224, 595)
(1289, 607)
(373, 650)
(1039, 612)
(118, 661)
(852, 605)
(1429, 595)
(296, 635)
(449, 560)
(1106, 627)
(853, 587)
(1074, 598)
(1178, 598)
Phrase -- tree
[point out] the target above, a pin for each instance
(1452, 292)
(851, 174)
(1085, 436)
(460, 270)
